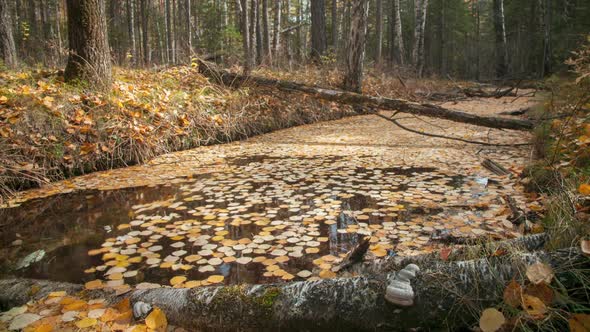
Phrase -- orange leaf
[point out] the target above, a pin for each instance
(579, 323)
(540, 291)
(534, 306)
(513, 294)
(156, 320)
(584, 189)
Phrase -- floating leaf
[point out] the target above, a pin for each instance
(491, 320)
(177, 280)
(214, 279)
(86, 323)
(23, 320)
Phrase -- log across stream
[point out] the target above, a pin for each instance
(351, 98)
(445, 294)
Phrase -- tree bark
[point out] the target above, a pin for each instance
(246, 38)
(7, 46)
(421, 6)
(500, 33)
(335, 24)
(379, 32)
(352, 98)
(89, 58)
(545, 19)
(318, 29)
(276, 42)
(444, 293)
(252, 27)
(188, 27)
(398, 39)
(266, 50)
(169, 35)
(259, 41)
(144, 5)
(353, 76)
(131, 30)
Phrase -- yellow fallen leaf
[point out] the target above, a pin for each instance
(177, 280)
(584, 189)
(491, 320)
(156, 320)
(86, 322)
(45, 327)
(215, 279)
(94, 284)
(534, 306)
(57, 294)
(3, 100)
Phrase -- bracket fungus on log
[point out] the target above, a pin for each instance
(400, 291)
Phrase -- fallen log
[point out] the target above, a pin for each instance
(370, 102)
(444, 293)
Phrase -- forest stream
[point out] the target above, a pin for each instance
(281, 206)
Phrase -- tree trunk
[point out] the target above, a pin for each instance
(353, 76)
(145, 31)
(7, 46)
(398, 39)
(500, 32)
(246, 38)
(335, 25)
(546, 29)
(318, 29)
(445, 293)
(266, 50)
(442, 36)
(276, 42)
(252, 27)
(189, 30)
(357, 99)
(131, 30)
(169, 37)
(259, 41)
(379, 32)
(89, 58)
(421, 6)
(477, 40)
(287, 38)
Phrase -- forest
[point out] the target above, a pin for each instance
(298, 165)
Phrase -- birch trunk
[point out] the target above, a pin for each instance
(398, 39)
(276, 42)
(421, 7)
(131, 31)
(500, 33)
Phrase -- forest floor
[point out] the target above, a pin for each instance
(296, 199)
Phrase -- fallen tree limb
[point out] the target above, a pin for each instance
(444, 293)
(395, 122)
(350, 98)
